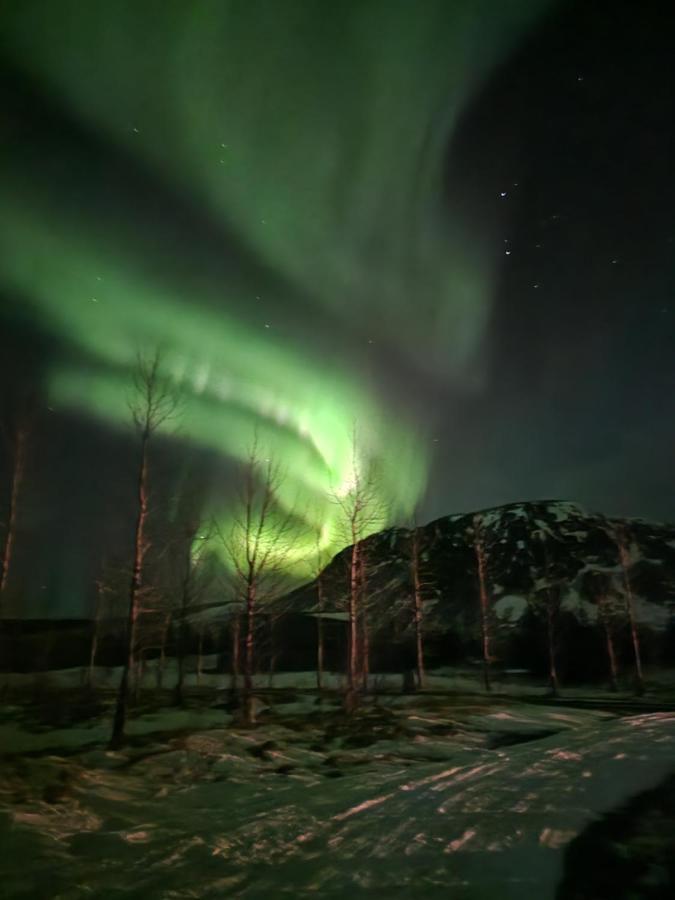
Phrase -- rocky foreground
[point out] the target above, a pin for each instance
(463, 797)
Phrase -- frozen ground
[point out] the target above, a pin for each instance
(415, 797)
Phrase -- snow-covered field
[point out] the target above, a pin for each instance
(415, 797)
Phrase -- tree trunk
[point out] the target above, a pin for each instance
(140, 549)
(418, 610)
(609, 643)
(139, 675)
(162, 656)
(250, 641)
(365, 633)
(484, 623)
(319, 637)
(92, 656)
(200, 654)
(273, 654)
(181, 633)
(554, 684)
(249, 646)
(178, 690)
(630, 608)
(236, 653)
(365, 648)
(611, 655)
(10, 532)
(352, 668)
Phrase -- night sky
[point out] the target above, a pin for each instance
(449, 223)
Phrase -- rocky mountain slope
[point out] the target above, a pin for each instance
(531, 551)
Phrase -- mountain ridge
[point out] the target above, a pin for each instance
(592, 570)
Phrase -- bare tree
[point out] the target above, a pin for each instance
(274, 614)
(235, 655)
(109, 612)
(623, 545)
(152, 404)
(552, 598)
(479, 550)
(16, 437)
(364, 617)
(606, 618)
(420, 587)
(95, 632)
(103, 595)
(547, 599)
(257, 548)
(361, 513)
(193, 581)
(153, 621)
(318, 564)
(200, 651)
(600, 586)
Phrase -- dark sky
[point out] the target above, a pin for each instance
(581, 368)
(452, 224)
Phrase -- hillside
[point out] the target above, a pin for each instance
(534, 553)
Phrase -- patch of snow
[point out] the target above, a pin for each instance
(651, 614)
(510, 608)
(584, 609)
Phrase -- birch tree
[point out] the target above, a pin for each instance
(193, 579)
(257, 548)
(547, 598)
(108, 612)
(16, 439)
(600, 586)
(153, 402)
(481, 570)
(317, 564)
(623, 544)
(361, 513)
(420, 588)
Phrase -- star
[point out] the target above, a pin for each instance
(502, 194)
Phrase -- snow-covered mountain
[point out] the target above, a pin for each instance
(530, 550)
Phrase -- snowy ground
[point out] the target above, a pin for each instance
(416, 797)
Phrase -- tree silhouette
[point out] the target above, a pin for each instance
(624, 546)
(257, 547)
(361, 513)
(153, 402)
(481, 569)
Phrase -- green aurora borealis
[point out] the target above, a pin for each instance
(309, 136)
